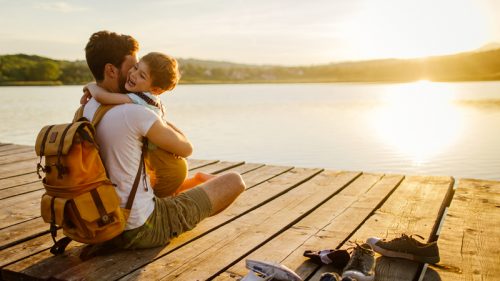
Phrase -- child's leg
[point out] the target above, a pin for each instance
(169, 171)
(196, 180)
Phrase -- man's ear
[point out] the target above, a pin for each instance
(111, 71)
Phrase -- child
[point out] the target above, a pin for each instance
(153, 75)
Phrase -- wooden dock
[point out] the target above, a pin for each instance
(284, 211)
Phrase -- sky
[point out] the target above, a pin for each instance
(278, 32)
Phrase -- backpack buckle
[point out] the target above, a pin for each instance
(38, 168)
(104, 220)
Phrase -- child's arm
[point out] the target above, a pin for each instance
(105, 97)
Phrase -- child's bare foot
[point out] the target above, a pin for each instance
(203, 177)
(196, 180)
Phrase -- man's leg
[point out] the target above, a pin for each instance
(223, 190)
(175, 215)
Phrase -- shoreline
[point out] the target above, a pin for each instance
(59, 83)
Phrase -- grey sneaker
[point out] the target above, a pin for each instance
(406, 247)
(361, 266)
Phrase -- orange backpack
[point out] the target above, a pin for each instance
(79, 196)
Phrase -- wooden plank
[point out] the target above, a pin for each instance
(325, 228)
(16, 151)
(18, 180)
(10, 147)
(267, 173)
(243, 169)
(215, 168)
(30, 246)
(412, 209)
(468, 243)
(20, 208)
(197, 163)
(206, 256)
(20, 190)
(43, 265)
(11, 235)
(25, 155)
(17, 168)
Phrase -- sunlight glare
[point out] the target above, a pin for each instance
(409, 29)
(418, 120)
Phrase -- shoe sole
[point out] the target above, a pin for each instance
(393, 254)
(358, 275)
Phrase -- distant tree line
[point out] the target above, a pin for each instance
(24, 69)
(15, 69)
(460, 67)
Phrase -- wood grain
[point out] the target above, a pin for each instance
(468, 242)
(325, 228)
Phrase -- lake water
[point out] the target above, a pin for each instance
(410, 128)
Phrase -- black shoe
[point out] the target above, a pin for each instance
(337, 258)
(406, 247)
(361, 266)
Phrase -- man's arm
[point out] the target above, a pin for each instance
(105, 97)
(169, 139)
(175, 128)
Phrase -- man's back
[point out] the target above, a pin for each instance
(119, 135)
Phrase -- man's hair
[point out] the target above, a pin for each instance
(108, 47)
(163, 70)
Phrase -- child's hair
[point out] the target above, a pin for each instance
(163, 70)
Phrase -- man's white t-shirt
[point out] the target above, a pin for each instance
(119, 135)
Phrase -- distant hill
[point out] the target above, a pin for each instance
(483, 64)
(489, 47)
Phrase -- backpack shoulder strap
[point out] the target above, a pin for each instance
(99, 113)
(142, 169)
(78, 113)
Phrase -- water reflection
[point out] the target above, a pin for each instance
(419, 120)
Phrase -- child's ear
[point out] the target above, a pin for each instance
(156, 90)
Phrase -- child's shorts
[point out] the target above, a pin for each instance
(166, 171)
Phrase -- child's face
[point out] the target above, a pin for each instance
(139, 79)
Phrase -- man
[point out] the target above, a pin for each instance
(153, 221)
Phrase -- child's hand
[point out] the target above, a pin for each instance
(86, 96)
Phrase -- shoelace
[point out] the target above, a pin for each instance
(354, 245)
(357, 261)
(410, 238)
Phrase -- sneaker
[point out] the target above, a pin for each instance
(361, 266)
(337, 258)
(406, 247)
(271, 270)
(329, 276)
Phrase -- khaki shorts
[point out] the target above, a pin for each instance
(171, 217)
